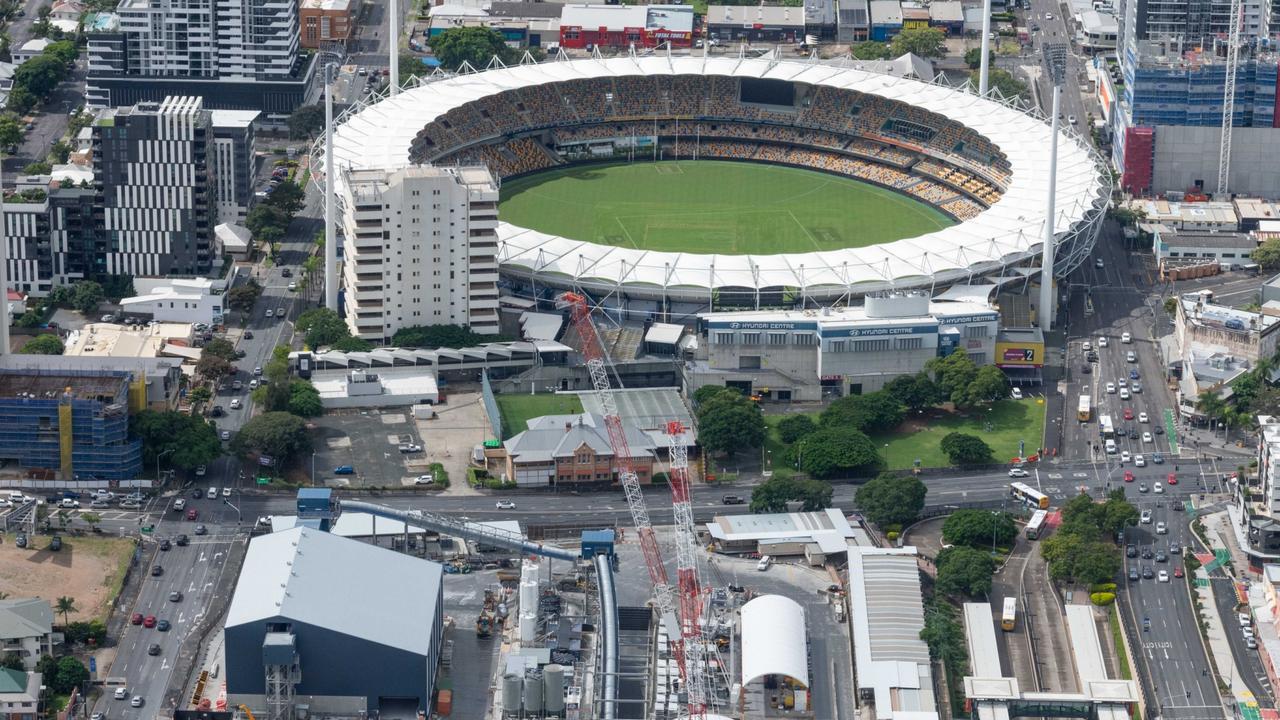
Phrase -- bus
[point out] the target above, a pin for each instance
(1108, 428)
(1084, 409)
(1009, 617)
(1029, 495)
(1036, 525)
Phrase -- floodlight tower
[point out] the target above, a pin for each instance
(984, 69)
(330, 171)
(1055, 57)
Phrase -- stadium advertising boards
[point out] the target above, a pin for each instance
(1020, 354)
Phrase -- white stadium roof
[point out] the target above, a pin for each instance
(379, 136)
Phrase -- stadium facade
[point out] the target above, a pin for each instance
(979, 161)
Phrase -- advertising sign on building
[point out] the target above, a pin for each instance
(1021, 354)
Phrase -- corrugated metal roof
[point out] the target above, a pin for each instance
(553, 436)
(300, 574)
(24, 618)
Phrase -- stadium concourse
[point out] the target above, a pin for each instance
(978, 160)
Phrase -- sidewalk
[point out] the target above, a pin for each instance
(1222, 538)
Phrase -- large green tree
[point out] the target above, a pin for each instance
(278, 435)
(965, 571)
(214, 367)
(979, 528)
(40, 75)
(877, 410)
(915, 392)
(773, 494)
(70, 675)
(304, 399)
(1267, 255)
(321, 327)
(473, 45)
(925, 42)
(187, 441)
(306, 121)
(10, 128)
(944, 635)
(837, 452)
(891, 499)
(438, 336)
(965, 449)
(47, 344)
(86, 295)
(793, 427)
(988, 386)
(973, 58)
(871, 50)
(953, 374)
(1004, 81)
(219, 347)
(243, 297)
(729, 422)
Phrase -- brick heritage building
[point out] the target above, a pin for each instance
(326, 21)
(572, 450)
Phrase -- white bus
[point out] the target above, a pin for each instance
(1029, 495)
(1084, 410)
(1108, 429)
(1036, 525)
(1009, 617)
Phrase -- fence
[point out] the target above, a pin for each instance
(491, 405)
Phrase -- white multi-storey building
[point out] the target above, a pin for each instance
(419, 248)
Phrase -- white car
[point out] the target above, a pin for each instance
(1162, 529)
(1048, 16)
(121, 693)
(180, 504)
(225, 434)
(1098, 263)
(69, 504)
(1122, 383)
(1136, 387)
(1125, 456)
(505, 505)
(136, 701)
(1142, 417)
(1126, 338)
(1131, 356)
(1086, 347)
(211, 493)
(1071, 119)
(1244, 619)
(226, 492)
(1247, 632)
(427, 479)
(201, 470)
(264, 520)
(1145, 518)
(1018, 473)
(1111, 388)
(236, 404)
(16, 497)
(1102, 341)
(1139, 460)
(1163, 576)
(270, 313)
(1146, 437)
(1016, 393)
(764, 563)
(410, 448)
(1124, 394)
(254, 383)
(293, 286)
(1158, 489)
(95, 503)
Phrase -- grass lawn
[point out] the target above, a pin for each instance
(709, 206)
(920, 438)
(517, 410)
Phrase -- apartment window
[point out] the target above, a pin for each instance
(910, 343)
(870, 345)
(777, 338)
(750, 338)
(976, 331)
(724, 338)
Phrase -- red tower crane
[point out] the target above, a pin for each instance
(685, 631)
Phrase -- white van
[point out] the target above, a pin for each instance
(1111, 447)
(764, 563)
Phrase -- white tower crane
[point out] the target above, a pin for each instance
(1229, 99)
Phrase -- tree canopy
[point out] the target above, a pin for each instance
(86, 295)
(979, 528)
(243, 297)
(964, 449)
(965, 571)
(47, 344)
(220, 347)
(305, 121)
(1267, 255)
(473, 45)
(70, 675)
(836, 452)
(438, 336)
(793, 427)
(278, 435)
(1002, 80)
(877, 410)
(965, 384)
(891, 499)
(304, 399)
(925, 42)
(915, 392)
(973, 58)
(1081, 549)
(188, 441)
(213, 367)
(871, 50)
(729, 422)
(322, 327)
(773, 494)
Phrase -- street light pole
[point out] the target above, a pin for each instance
(313, 468)
(166, 452)
(239, 518)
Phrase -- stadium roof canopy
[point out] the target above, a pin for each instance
(1008, 232)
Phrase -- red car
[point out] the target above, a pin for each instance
(149, 621)
(192, 514)
(136, 619)
(1177, 571)
(1173, 479)
(1128, 413)
(1128, 476)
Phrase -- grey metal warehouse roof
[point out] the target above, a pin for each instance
(342, 585)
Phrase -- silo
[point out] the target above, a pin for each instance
(528, 596)
(553, 688)
(511, 691)
(533, 692)
(528, 626)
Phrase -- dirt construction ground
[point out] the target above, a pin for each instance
(88, 569)
(459, 425)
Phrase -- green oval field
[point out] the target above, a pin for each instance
(709, 206)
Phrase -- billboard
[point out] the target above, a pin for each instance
(1019, 354)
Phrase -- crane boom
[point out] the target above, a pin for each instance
(687, 572)
(663, 592)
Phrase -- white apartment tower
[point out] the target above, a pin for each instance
(420, 247)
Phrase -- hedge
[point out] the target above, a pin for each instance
(1103, 588)
(1103, 598)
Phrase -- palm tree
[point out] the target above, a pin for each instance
(1211, 405)
(65, 605)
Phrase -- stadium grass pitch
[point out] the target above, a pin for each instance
(709, 206)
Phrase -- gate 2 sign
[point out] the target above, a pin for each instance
(1022, 354)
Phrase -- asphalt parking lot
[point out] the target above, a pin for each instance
(366, 440)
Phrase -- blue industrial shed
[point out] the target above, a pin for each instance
(354, 628)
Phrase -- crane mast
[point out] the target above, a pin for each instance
(663, 592)
(1229, 99)
(687, 572)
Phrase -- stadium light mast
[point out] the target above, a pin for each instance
(393, 36)
(984, 69)
(330, 170)
(1055, 56)
(4, 273)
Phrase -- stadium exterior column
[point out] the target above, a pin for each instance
(984, 67)
(1045, 313)
(394, 60)
(330, 171)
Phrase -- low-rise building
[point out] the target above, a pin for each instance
(573, 450)
(159, 379)
(814, 355)
(755, 23)
(854, 21)
(109, 340)
(19, 694)
(1228, 248)
(326, 21)
(815, 535)
(26, 630)
(179, 300)
(947, 16)
(1216, 344)
(1180, 216)
(621, 26)
(1098, 30)
(362, 388)
(30, 49)
(886, 19)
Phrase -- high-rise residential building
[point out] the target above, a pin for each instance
(233, 150)
(155, 178)
(419, 248)
(1166, 118)
(236, 54)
